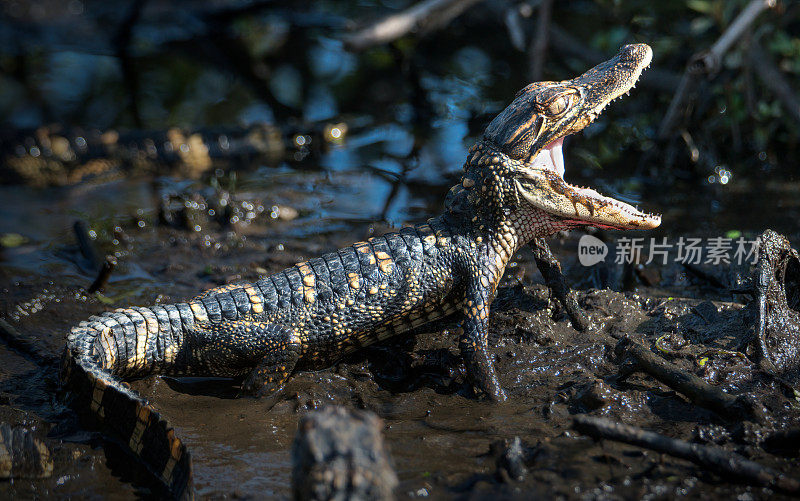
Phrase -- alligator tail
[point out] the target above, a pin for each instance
(123, 343)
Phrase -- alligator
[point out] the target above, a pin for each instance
(56, 155)
(307, 317)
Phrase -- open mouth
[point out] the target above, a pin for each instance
(583, 205)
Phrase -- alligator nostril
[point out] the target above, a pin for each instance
(634, 51)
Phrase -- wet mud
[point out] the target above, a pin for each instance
(443, 439)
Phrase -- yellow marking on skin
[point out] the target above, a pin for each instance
(382, 255)
(382, 287)
(350, 302)
(310, 295)
(484, 281)
(308, 281)
(253, 295)
(97, 396)
(166, 475)
(169, 353)
(371, 259)
(430, 239)
(257, 307)
(355, 283)
(304, 268)
(106, 338)
(135, 442)
(141, 344)
(151, 322)
(199, 311)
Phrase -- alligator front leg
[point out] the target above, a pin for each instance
(474, 340)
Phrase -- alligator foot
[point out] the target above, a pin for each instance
(282, 354)
(551, 271)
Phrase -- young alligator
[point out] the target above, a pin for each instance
(310, 315)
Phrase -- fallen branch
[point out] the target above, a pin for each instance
(638, 358)
(713, 458)
(707, 63)
(424, 16)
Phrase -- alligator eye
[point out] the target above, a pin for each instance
(560, 104)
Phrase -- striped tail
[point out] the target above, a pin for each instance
(129, 342)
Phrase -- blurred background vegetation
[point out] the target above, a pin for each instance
(424, 96)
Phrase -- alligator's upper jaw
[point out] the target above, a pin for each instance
(611, 79)
(542, 176)
(543, 186)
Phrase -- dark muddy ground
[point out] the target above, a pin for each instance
(439, 434)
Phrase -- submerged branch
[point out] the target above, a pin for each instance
(102, 277)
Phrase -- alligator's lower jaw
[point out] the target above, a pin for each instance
(590, 207)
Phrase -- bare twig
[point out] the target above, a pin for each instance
(774, 80)
(102, 277)
(714, 458)
(637, 357)
(706, 63)
(425, 15)
(538, 51)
